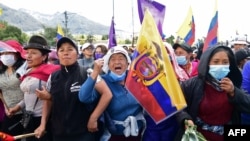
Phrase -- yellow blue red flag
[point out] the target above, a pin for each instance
(212, 34)
(151, 77)
(60, 32)
(1, 11)
(187, 29)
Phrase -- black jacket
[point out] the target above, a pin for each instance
(69, 116)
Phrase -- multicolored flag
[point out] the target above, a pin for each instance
(5, 47)
(212, 35)
(60, 32)
(151, 77)
(156, 9)
(1, 11)
(187, 29)
(112, 38)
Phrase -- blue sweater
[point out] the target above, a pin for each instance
(245, 118)
(122, 105)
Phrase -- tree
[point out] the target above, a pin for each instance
(170, 40)
(105, 37)
(12, 32)
(127, 41)
(81, 39)
(90, 38)
(50, 35)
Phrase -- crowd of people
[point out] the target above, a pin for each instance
(75, 95)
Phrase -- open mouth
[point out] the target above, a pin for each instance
(118, 68)
(29, 61)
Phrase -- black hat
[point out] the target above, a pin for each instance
(66, 40)
(185, 46)
(242, 54)
(38, 42)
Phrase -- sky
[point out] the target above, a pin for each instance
(232, 14)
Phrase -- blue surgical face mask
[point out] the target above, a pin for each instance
(98, 55)
(116, 77)
(181, 60)
(219, 71)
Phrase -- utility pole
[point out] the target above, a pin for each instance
(66, 23)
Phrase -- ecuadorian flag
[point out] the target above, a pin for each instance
(60, 33)
(151, 78)
(212, 34)
(187, 29)
(1, 11)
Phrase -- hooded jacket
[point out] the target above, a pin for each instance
(193, 89)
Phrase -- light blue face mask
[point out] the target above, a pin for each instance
(181, 60)
(117, 78)
(219, 71)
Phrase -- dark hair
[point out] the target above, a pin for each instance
(18, 63)
(103, 49)
(230, 56)
(234, 70)
(199, 52)
(45, 53)
(219, 49)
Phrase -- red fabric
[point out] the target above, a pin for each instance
(194, 68)
(214, 109)
(17, 46)
(6, 137)
(194, 72)
(42, 72)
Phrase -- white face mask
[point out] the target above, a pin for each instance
(8, 59)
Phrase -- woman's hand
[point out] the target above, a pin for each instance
(43, 94)
(13, 110)
(227, 85)
(98, 65)
(8, 114)
(188, 123)
(40, 131)
(92, 125)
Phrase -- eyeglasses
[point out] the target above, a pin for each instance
(89, 48)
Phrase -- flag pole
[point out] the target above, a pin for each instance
(113, 8)
(24, 136)
(132, 23)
